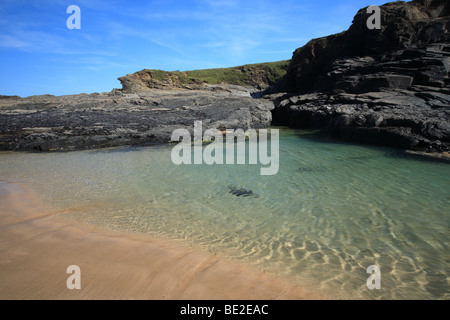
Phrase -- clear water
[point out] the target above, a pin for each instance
(333, 209)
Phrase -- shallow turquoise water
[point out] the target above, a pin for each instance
(333, 209)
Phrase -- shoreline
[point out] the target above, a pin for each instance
(37, 246)
(432, 156)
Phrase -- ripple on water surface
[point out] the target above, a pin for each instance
(332, 210)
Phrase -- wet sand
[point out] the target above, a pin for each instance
(37, 246)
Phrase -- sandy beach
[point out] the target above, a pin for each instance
(37, 246)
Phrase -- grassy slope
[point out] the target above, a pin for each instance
(252, 74)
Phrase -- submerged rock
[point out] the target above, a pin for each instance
(238, 192)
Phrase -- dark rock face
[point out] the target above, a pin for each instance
(49, 123)
(388, 86)
(405, 119)
(410, 31)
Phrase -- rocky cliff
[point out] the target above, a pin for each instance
(260, 75)
(386, 86)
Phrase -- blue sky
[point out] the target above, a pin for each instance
(40, 55)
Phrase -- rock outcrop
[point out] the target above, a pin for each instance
(387, 86)
(260, 75)
(76, 122)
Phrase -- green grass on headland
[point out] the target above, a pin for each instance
(251, 74)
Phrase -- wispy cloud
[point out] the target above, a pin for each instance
(119, 32)
(32, 41)
(8, 41)
(228, 28)
(47, 43)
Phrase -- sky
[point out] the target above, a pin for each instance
(39, 54)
